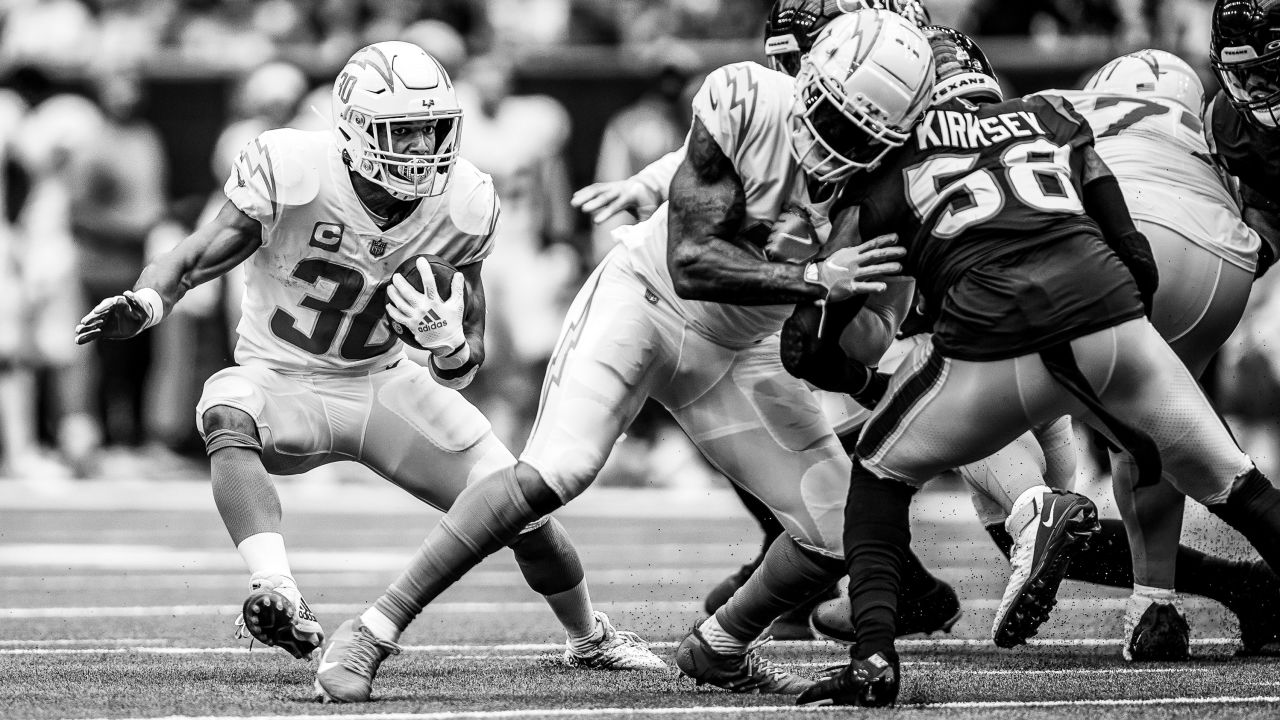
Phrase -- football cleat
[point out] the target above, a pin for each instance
(276, 614)
(872, 682)
(935, 611)
(745, 673)
(1154, 631)
(1258, 610)
(615, 650)
(349, 663)
(1048, 526)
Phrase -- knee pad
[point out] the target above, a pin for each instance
(226, 427)
(547, 558)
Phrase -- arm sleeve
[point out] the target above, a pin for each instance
(1104, 202)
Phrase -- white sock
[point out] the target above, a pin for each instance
(380, 625)
(264, 554)
(720, 640)
(1163, 596)
(584, 644)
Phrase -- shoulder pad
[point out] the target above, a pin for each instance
(734, 95)
(473, 204)
(278, 169)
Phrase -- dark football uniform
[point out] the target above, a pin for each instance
(987, 201)
(1247, 151)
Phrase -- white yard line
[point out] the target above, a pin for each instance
(748, 710)
(537, 650)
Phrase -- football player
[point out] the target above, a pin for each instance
(1242, 121)
(1038, 284)
(686, 310)
(322, 220)
(790, 30)
(1142, 108)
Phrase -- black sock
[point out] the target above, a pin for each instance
(877, 536)
(916, 578)
(789, 575)
(1253, 509)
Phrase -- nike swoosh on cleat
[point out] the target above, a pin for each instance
(327, 666)
(1049, 522)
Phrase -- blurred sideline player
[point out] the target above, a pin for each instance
(1141, 107)
(652, 320)
(1037, 283)
(322, 221)
(790, 30)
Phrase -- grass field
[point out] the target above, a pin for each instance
(117, 600)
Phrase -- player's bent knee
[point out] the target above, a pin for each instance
(547, 558)
(228, 427)
(536, 491)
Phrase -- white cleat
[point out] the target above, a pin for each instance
(276, 614)
(616, 650)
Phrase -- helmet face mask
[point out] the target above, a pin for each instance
(859, 93)
(386, 94)
(1245, 55)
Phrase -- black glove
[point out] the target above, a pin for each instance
(1266, 258)
(1135, 253)
(116, 318)
(808, 356)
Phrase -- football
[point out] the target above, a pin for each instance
(443, 273)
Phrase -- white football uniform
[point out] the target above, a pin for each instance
(714, 367)
(1206, 257)
(318, 368)
(314, 290)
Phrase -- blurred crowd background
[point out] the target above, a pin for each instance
(119, 120)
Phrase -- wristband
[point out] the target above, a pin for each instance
(455, 359)
(149, 299)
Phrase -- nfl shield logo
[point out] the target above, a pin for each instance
(377, 246)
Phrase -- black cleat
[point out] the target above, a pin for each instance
(1258, 610)
(866, 683)
(935, 611)
(1155, 631)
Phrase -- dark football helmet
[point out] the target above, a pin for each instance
(792, 25)
(1245, 55)
(963, 69)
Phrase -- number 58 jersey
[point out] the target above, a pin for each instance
(987, 201)
(315, 292)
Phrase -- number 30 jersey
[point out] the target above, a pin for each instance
(1157, 151)
(986, 198)
(314, 297)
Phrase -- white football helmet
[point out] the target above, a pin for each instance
(386, 85)
(1151, 72)
(861, 88)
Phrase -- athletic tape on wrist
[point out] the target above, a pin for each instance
(150, 299)
(455, 359)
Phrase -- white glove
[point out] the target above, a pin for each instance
(436, 324)
(603, 200)
(846, 273)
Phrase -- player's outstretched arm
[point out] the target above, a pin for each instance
(639, 194)
(707, 255)
(209, 252)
